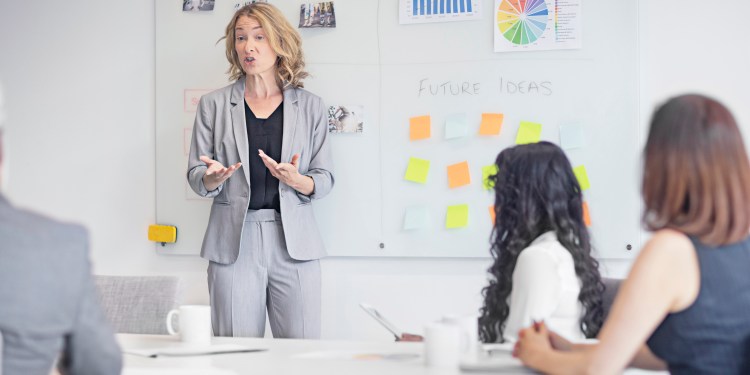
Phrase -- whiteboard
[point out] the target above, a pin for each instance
(371, 60)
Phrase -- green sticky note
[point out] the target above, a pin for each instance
(528, 132)
(457, 216)
(487, 172)
(417, 170)
(582, 176)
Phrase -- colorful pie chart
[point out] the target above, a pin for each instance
(522, 21)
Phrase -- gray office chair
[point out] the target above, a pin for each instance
(139, 304)
(611, 286)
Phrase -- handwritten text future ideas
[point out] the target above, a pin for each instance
(454, 88)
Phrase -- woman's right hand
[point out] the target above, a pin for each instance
(410, 337)
(216, 173)
(559, 343)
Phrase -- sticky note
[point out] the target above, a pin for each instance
(586, 214)
(571, 136)
(492, 214)
(528, 132)
(419, 127)
(417, 170)
(416, 217)
(582, 176)
(487, 172)
(457, 216)
(491, 123)
(458, 175)
(456, 126)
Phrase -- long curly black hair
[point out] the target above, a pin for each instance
(536, 192)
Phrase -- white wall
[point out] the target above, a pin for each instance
(79, 80)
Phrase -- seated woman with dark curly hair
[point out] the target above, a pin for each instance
(543, 267)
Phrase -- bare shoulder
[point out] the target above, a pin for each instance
(670, 258)
(667, 244)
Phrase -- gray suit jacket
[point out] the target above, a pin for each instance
(48, 302)
(221, 134)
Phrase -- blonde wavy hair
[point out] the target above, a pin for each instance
(282, 37)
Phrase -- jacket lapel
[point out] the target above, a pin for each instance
(290, 123)
(237, 101)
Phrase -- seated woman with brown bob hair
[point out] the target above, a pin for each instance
(686, 304)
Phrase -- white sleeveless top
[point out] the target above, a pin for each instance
(545, 287)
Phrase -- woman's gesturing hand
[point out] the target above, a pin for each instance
(288, 173)
(216, 173)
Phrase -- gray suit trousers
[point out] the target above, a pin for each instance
(265, 276)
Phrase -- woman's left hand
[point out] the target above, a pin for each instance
(285, 172)
(533, 344)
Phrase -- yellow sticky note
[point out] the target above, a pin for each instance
(582, 176)
(586, 214)
(419, 127)
(528, 132)
(457, 216)
(417, 170)
(491, 123)
(458, 175)
(487, 172)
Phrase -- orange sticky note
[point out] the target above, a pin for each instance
(492, 214)
(491, 123)
(586, 214)
(419, 127)
(458, 175)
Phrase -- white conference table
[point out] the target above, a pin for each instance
(288, 356)
(299, 357)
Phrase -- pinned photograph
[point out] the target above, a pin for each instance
(345, 119)
(242, 4)
(197, 5)
(317, 15)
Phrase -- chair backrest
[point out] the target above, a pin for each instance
(139, 304)
(611, 286)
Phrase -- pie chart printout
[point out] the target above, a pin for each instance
(522, 22)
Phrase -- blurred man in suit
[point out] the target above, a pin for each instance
(49, 308)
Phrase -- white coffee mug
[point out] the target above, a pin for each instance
(469, 332)
(195, 324)
(442, 345)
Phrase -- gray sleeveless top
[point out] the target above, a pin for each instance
(712, 336)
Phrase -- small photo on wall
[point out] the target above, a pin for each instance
(242, 4)
(317, 15)
(197, 5)
(345, 119)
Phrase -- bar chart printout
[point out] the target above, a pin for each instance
(537, 25)
(423, 11)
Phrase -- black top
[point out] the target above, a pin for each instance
(265, 134)
(712, 336)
